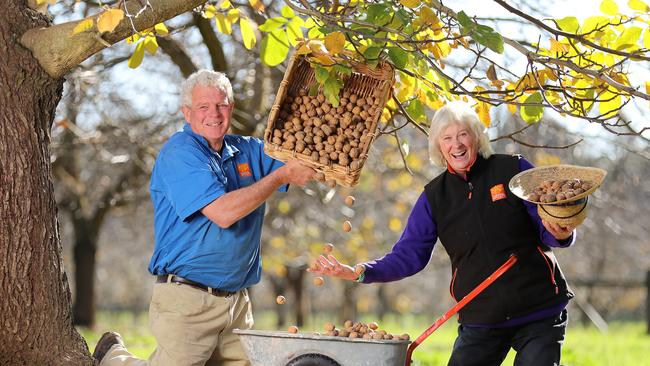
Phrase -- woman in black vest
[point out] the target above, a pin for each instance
(481, 224)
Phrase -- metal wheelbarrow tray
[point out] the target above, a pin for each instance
(274, 348)
(269, 348)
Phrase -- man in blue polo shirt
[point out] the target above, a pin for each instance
(208, 191)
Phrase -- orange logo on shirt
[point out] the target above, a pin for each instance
(498, 192)
(244, 170)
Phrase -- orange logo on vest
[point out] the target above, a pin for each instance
(498, 192)
(244, 170)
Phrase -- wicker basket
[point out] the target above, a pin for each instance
(364, 82)
(568, 212)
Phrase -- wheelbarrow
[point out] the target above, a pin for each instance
(275, 348)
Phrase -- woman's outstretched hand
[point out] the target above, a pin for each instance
(330, 266)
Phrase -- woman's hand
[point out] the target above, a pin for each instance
(331, 267)
(558, 232)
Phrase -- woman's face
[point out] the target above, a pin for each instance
(458, 147)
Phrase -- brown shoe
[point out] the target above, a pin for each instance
(108, 340)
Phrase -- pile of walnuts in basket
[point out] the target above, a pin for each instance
(559, 190)
(357, 330)
(312, 126)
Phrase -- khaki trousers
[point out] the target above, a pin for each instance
(191, 327)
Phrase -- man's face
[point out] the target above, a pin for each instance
(209, 115)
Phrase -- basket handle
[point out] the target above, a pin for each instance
(566, 217)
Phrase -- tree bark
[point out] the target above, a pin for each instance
(35, 314)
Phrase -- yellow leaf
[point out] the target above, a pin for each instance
(483, 111)
(161, 29)
(134, 38)
(150, 45)
(335, 42)
(427, 16)
(609, 7)
(303, 49)
(395, 224)
(50, 2)
(559, 47)
(223, 24)
(247, 33)
(512, 108)
(647, 87)
(410, 3)
(257, 5)
(610, 102)
(84, 25)
(646, 38)
(233, 15)
(108, 20)
(324, 59)
(225, 4)
(491, 73)
(638, 5)
(209, 11)
(136, 58)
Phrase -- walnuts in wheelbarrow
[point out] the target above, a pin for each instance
(559, 190)
(312, 126)
(361, 330)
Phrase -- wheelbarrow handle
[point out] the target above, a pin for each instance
(459, 305)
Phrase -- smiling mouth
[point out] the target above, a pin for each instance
(459, 155)
(213, 123)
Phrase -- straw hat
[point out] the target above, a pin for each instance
(567, 212)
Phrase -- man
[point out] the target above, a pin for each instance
(208, 191)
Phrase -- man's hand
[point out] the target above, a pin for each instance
(558, 232)
(294, 172)
(330, 266)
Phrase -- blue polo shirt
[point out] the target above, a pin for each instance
(187, 176)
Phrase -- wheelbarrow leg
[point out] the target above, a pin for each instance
(459, 305)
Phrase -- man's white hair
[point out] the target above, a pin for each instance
(217, 80)
(457, 113)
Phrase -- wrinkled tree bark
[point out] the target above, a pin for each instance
(35, 313)
(35, 317)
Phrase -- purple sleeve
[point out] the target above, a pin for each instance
(546, 237)
(412, 251)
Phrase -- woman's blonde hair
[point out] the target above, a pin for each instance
(457, 113)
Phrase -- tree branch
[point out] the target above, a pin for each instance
(58, 50)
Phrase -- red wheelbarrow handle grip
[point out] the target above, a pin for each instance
(459, 305)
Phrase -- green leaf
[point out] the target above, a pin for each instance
(363, 29)
(532, 113)
(294, 30)
(321, 74)
(569, 24)
(372, 52)
(466, 22)
(313, 89)
(136, 58)
(415, 109)
(486, 36)
(400, 19)
(287, 12)
(398, 56)
(274, 48)
(247, 33)
(331, 90)
(379, 14)
(342, 69)
(272, 24)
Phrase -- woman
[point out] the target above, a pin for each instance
(481, 224)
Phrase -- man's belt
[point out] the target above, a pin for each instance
(170, 278)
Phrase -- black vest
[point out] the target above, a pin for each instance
(481, 223)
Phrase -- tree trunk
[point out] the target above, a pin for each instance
(84, 275)
(295, 276)
(35, 314)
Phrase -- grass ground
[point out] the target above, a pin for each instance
(625, 344)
